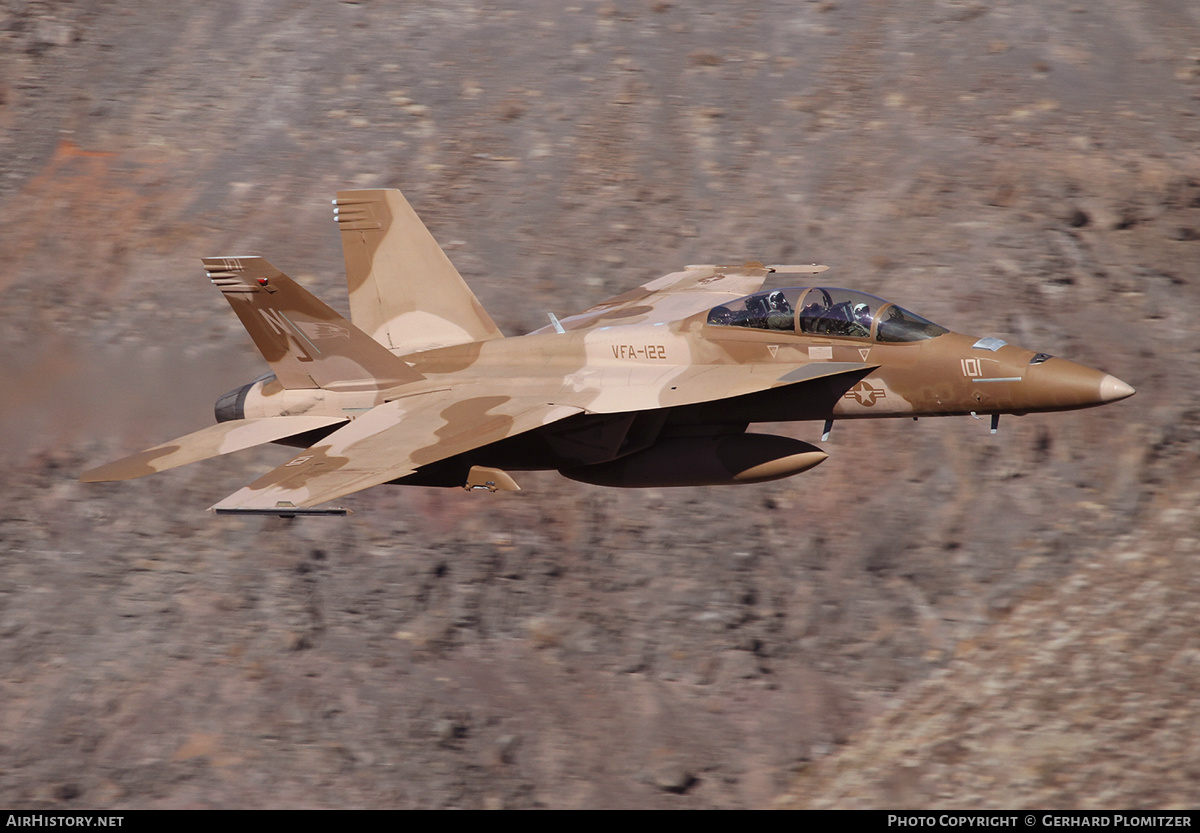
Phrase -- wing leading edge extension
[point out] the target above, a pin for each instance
(709, 384)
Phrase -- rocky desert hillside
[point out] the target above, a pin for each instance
(935, 617)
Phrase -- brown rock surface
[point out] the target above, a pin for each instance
(935, 617)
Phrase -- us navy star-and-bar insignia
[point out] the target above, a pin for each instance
(864, 394)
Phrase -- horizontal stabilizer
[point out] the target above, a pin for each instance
(212, 441)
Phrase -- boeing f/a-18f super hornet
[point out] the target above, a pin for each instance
(655, 387)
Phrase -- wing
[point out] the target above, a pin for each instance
(212, 441)
(679, 295)
(398, 437)
(391, 441)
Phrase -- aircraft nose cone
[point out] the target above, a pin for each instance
(1113, 389)
(1062, 385)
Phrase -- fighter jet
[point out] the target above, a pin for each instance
(652, 388)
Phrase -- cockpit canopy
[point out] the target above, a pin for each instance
(844, 313)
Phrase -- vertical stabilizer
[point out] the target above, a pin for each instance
(404, 292)
(307, 344)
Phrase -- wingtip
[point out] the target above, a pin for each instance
(127, 468)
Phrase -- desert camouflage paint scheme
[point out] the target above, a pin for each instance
(655, 387)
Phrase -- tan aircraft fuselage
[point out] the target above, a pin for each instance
(629, 368)
(654, 387)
